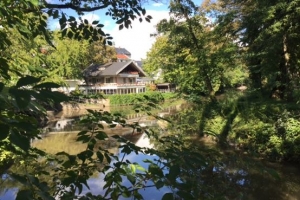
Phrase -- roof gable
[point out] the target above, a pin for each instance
(123, 51)
(110, 69)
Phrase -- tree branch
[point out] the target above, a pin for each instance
(74, 7)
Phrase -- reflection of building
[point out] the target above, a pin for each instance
(114, 78)
(61, 125)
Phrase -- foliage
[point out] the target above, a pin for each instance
(132, 99)
(268, 33)
(67, 58)
(193, 54)
(260, 127)
(203, 61)
(101, 54)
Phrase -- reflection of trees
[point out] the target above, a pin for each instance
(202, 171)
(34, 170)
(208, 172)
(52, 144)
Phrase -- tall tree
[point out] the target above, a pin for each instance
(268, 32)
(99, 53)
(193, 54)
(67, 59)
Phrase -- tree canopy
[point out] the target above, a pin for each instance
(201, 55)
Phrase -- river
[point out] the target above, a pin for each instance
(236, 176)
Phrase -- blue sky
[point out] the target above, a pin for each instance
(137, 39)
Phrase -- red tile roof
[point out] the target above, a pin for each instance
(122, 56)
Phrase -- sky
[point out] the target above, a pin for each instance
(137, 39)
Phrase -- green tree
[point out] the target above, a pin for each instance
(268, 32)
(67, 59)
(194, 54)
(98, 53)
(160, 57)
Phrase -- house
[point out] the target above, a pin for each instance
(123, 51)
(114, 78)
(123, 55)
(122, 58)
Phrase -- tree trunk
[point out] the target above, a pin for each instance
(285, 77)
(289, 74)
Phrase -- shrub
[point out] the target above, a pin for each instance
(131, 99)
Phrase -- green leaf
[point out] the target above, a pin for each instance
(155, 170)
(56, 96)
(131, 178)
(20, 141)
(24, 195)
(82, 133)
(22, 97)
(4, 67)
(4, 131)
(168, 196)
(159, 184)
(27, 80)
(133, 168)
(126, 194)
(34, 2)
(72, 19)
(121, 27)
(174, 172)
(139, 167)
(185, 195)
(62, 21)
(95, 22)
(120, 21)
(100, 156)
(47, 85)
(56, 14)
(85, 155)
(101, 135)
(83, 138)
(109, 43)
(1, 86)
(107, 157)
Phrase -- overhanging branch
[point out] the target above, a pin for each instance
(74, 7)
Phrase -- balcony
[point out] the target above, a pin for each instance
(114, 85)
(129, 74)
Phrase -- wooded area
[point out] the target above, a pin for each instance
(207, 50)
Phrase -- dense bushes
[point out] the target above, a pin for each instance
(261, 126)
(124, 99)
(130, 99)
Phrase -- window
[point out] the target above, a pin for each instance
(124, 80)
(109, 80)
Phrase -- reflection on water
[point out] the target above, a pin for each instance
(96, 183)
(233, 176)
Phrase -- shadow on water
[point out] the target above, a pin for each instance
(236, 175)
